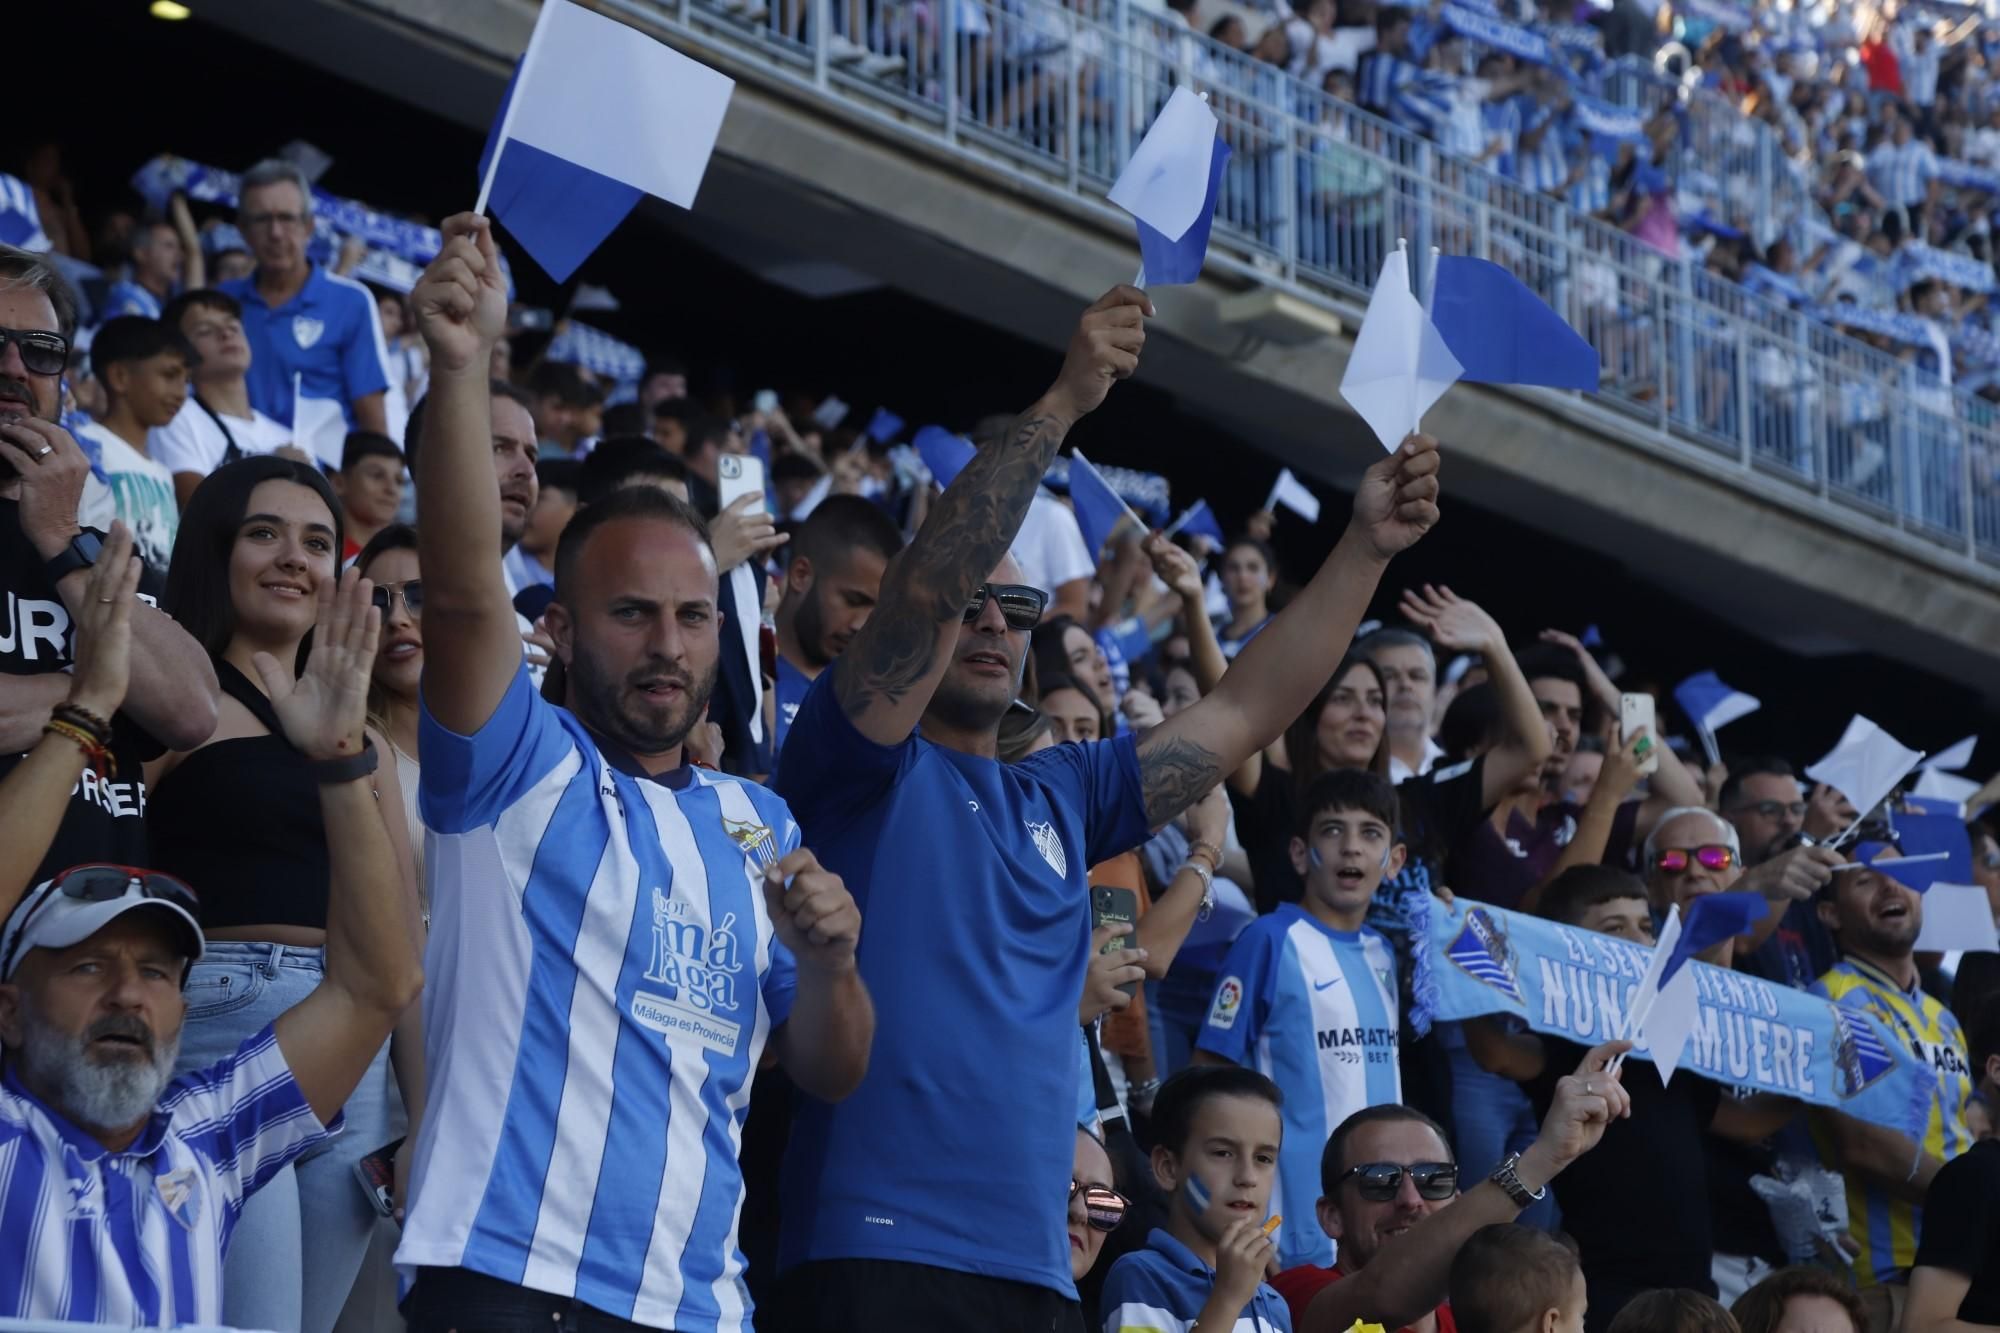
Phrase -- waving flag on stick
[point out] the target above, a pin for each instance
(1400, 365)
(1099, 509)
(1170, 186)
(1711, 706)
(1864, 767)
(597, 116)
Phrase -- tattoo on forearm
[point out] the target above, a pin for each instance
(1174, 773)
(968, 530)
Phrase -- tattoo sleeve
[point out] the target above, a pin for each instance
(968, 530)
(1174, 772)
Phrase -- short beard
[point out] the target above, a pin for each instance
(810, 629)
(966, 709)
(90, 1092)
(596, 697)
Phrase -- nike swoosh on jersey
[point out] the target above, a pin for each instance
(1324, 985)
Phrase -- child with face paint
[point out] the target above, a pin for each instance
(1217, 1158)
(1308, 995)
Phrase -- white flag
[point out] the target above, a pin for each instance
(319, 425)
(1956, 916)
(1400, 365)
(1166, 181)
(607, 97)
(1954, 758)
(1866, 765)
(1288, 491)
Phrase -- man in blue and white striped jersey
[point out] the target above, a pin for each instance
(616, 935)
(120, 1184)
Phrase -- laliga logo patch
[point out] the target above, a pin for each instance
(1049, 843)
(180, 1195)
(1859, 1057)
(1483, 953)
(306, 330)
(1228, 1000)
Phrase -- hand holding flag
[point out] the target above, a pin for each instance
(460, 303)
(1396, 502)
(1103, 350)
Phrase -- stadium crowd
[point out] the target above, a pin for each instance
(637, 899)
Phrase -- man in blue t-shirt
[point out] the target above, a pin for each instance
(934, 1197)
(1307, 996)
(306, 324)
(833, 576)
(619, 936)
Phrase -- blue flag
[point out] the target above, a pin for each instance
(558, 211)
(1502, 333)
(884, 426)
(1711, 919)
(1199, 519)
(1942, 844)
(1170, 263)
(1592, 637)
(1098, 508)
(944, 453)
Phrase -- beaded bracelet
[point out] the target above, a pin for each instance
(96, 756)
(76, 715)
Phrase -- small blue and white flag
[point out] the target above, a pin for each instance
(1199, 519)
(944, 453)
(1099, 510)
(1711, 706)
(1170, 185)
(1400, 364)
(1866, 765)
(20, 220)
(597, 115)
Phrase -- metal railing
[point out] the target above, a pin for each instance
(1057, 92)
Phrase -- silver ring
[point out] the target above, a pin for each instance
(44, 452)
(107, 600)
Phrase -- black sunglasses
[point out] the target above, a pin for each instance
(102, 882)
(1379, 1182)
(411, 591)
(42, 352)
(1019, 603)
(1106, 1207)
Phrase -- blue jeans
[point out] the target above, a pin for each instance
(1491, 1117)
(233, 993)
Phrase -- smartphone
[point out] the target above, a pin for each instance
(1108, 904)
(377, 1173)
(738, 475)
(766, 401)
(1636, 714)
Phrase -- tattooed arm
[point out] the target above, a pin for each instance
(887, 675)
(1281, 669)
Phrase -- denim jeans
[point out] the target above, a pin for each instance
(233, 993)
(1491, 1118)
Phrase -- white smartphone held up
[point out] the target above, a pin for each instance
(1636, 714)
(738, 475)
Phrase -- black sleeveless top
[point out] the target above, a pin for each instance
(239, 820)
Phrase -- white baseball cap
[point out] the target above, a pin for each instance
(84, 899)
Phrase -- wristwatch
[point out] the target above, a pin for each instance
(1509, 1179)
(81, 553)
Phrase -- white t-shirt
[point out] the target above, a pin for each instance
(1050, 548)
(142, 494)
(192, 442)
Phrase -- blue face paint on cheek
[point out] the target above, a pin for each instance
(1198, 1196)
(1312, 855)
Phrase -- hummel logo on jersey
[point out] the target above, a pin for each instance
(1049, 843)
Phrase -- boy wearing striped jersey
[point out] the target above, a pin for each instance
(1217, 1161)
(616, 935)
(1875, 919)
(1307, 995)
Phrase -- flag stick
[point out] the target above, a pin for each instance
(1901, 861)
(1181, 522)
(1416, 358)
(507, 116)
(1139, 278)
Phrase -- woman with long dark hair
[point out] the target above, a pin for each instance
(238, 818)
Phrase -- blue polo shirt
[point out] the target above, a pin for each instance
(975, 929)
(329, 333)
(1162, 1288)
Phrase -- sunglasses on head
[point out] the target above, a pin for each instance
(1379, 1182)
(1105, 1207)
(1675, 860)
(102, 882)
(1019, 603)
(42, 353)
(412, 593)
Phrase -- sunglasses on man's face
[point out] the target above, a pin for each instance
(1019, 603)
(1105, 1207)
(1379, 1182)
(1773, 809)
(42, 353)
(1676, 860)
